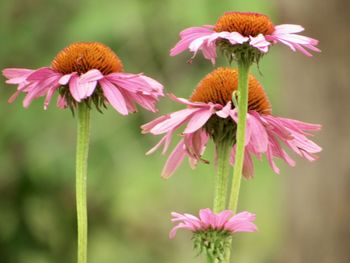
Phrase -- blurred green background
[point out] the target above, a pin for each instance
(129, 204)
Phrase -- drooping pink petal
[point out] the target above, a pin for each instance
(174, 160)
(155, 85)
(235, 38)
(288, 29)
(14, 96)
(194, 104)
(285, 34)
(258, 135)
(16, 75)
(40, 88)
(135, 83)
(260, 43)
(188, 36)
(64, 80)
(114, 97)
(75, 89)
(147, 102)
(175, 119)
(49, 95)
(173, 231)
(42, 74)
(91, 76)
(61, 102)
(146, 128)
(225, 111)
(198, 119)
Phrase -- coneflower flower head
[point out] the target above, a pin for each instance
(87, 72)
(218, 87)
(212, 232)
(242, 36)
(210, 113)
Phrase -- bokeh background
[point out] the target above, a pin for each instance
(303, 214)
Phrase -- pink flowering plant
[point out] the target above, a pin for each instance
(86, 72)
(211, 114)
(231, 108)
(83, 75)
(212, 232)
(242, 34)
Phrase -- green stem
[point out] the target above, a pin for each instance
(83, 134)
(243, 74)
(210, 259)
(221, 181)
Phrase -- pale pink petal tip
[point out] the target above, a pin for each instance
(208, 220)
(286, 34)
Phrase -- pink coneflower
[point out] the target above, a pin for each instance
(212, 231)
(86, 72)
(210, 114)
(236, 31)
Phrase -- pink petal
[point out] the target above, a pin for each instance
(174, 160)
(114, 97)
(88, 88)
(176, 118)
(42, 74)
(49, 95)
(288, 28)
(155, 85)
(222, 218)
(225, 111)
(16, 75)
(260, 43)
(61, 102)
(198, 120)
(14, 96)
(92, 75)
(188, 36)
(236, 38)
(258, 135)
(64, 80)
(146, 128)
(77, 91)
(285, 34)
(173, 231)
(205, 216)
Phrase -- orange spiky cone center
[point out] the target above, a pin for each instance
(247, 24)
(218, 86)
(81, 57)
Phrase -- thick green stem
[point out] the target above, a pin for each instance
(210, 259)
(83, 134)
(221, 181)
(243, 74)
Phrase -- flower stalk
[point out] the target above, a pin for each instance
(243, 73)
(83, 135)
(223, 149)
(210, 259)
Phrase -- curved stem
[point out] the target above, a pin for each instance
(83, 134)
(243, 74)
(221, 181)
